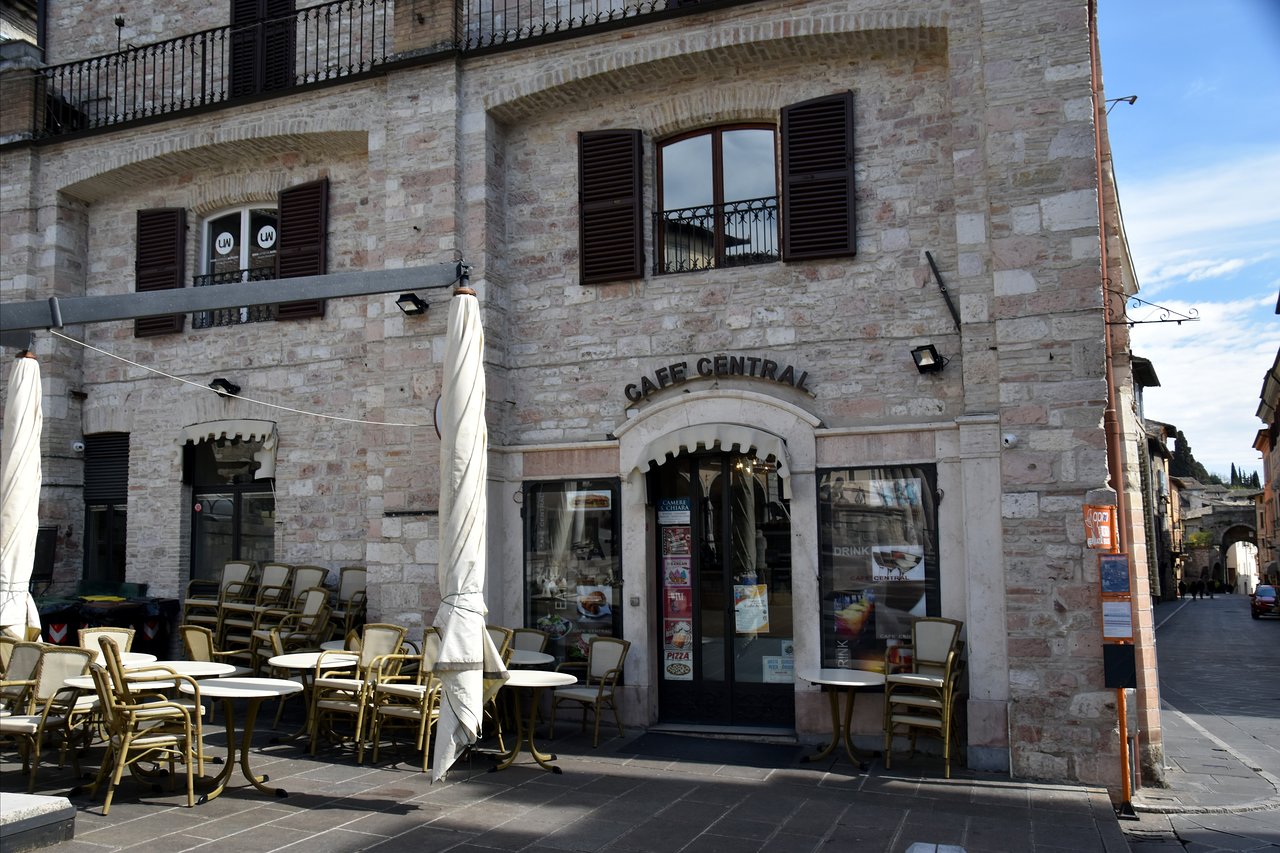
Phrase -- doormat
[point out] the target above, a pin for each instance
(713, 750)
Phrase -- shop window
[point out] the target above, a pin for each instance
(253, 243)
(878, 561)
(718, 194)
(572, 563)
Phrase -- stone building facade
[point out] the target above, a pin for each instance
(974, 149)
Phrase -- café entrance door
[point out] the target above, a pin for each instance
(724, 553)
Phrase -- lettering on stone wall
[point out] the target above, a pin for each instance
(709, 366)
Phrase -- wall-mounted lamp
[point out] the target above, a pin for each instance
(1127, 99)
(224, 387)
(927, 359)
(411, 304)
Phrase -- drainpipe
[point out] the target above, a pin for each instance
(1110, 419)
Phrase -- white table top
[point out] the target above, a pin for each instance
(539, 678)
(196, 668)
(333, 645)
(524, 657)
(244, 688)
(308, 660)
(128, 659)
(843, 677)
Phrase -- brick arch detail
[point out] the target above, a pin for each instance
(651, 63)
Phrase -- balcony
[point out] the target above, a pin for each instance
(320, 45)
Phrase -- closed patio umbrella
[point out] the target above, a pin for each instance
(20, 479)
(469, 665)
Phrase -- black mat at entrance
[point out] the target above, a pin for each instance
(712, 750)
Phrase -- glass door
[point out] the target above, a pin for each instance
(724, 545)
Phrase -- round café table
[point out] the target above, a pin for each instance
(194, 668)
(255, 691)
(525, 657)
(535, 680)
(839, 681)
(305, 664)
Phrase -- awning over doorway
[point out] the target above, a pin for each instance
(728, 437)
(244, 429)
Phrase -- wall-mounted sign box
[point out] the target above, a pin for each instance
(1100, 527)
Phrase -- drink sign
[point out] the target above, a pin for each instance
(1100, 527)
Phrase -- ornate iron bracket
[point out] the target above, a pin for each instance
(1163, 314)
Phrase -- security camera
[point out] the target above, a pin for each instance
(77, 446)
(1009, 439)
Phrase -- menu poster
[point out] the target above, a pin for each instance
(1117, 620)
(677, 541)
(778, 669)
(675, 571)
(679, 602)
(751, 608)
(677, 634)
(1114, 571)
(677, 665)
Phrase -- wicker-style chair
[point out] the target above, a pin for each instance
(347, 691)
(53, 710)
(605, 659)
(922, 698)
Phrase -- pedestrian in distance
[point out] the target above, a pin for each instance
(1182, 589)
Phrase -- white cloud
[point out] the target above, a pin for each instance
(1211, 372)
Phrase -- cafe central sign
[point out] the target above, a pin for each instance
(709, 366)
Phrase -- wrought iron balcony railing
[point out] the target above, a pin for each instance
(233, 316)
(320, 44)
(734, 234)
(334, 41)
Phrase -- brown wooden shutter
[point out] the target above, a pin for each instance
(304, 225)
(610, 240)
(817, 179)
(263, 46)
(245, 52)
(278, 45)
(160, 264)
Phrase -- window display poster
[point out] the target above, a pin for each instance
(675, 571)
(751, 608)
(1114, 570)
(679, 602)
(677, 641)
(674, 511)
(677, 541)
(878, 561)
(589, 499)
(778, 669)
(677, 665)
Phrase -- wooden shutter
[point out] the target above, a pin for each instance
(817, 179)
(303, 224)
(245, 46)
(160, 264)
(610, 240)
(106, 468)
(278, 45)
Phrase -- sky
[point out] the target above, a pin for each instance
(1197, 162)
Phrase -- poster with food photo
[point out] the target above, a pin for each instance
(677, 541)
(675, 571)
(677, 634)
(677, 665)
(679, 602)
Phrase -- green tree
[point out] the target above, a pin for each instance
(1183, 464)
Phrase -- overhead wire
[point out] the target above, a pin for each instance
(205, 387)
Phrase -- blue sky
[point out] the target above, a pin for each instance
(1197, 161)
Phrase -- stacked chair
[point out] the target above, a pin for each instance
(91, 638)
(345, 692)
(304, 625)
(239, 609)
(922, 698)
(529, 639)
(411, 702)
(349, 600)
(203, 598)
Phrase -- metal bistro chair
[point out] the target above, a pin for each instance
(346, 691)
(303, 626)
(203, 597)
(923, 697)
(605, 659)
(90, 637)
(529, 639)
(52, 709)
(349, 600)
(238, 611)
(399, 701)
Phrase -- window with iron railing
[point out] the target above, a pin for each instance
(719, 200)
(234, 316)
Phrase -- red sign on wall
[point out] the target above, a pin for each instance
(1100, 527)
